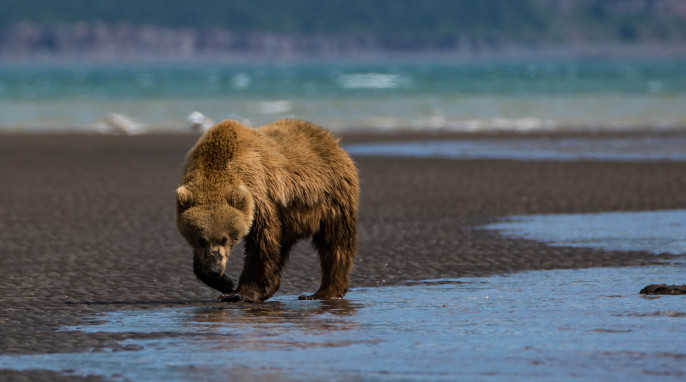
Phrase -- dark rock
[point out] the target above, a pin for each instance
(664, 289)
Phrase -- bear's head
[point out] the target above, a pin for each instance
(212, 225)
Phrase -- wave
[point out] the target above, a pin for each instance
(241, 81)
(275, 107)
(373, 81)
(488, 124)
(520, 125)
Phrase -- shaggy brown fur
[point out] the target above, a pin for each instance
(273, 185)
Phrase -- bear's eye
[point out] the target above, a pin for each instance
(225, 240)
(202, 242)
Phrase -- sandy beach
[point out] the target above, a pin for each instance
(87, 226)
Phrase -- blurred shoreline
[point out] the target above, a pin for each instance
(363, 134)
(387, 95)
(288, 53)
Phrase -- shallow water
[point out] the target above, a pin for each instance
(587, 324)
(579, 324)
(564, 149)
(653, 231)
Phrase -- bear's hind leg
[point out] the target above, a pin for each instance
(336, 246)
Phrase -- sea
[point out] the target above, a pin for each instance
(350, 95)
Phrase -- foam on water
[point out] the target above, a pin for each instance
(275, 107)
(582, 325)
(241, 81)
(373, 81)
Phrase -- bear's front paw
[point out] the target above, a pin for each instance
(236, 297)
(231, 297)
(222, 283)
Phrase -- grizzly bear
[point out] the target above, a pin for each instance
(271, 186)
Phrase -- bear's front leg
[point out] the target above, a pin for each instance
(259, 281)
(261, 276)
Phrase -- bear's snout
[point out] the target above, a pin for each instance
(211, 273)
(213, 270)
(210, 262)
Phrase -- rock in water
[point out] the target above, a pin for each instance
(664, 289)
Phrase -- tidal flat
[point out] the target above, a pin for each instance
(95, 282)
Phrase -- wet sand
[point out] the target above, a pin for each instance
(87, 226)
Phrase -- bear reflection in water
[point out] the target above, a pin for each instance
(280, 324)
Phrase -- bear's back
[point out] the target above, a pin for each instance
(305, 144)
(288, 160)
(310, 161)
(292, 132)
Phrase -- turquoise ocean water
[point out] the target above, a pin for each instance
(462, 96)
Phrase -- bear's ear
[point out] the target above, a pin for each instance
(184, 198)
(241, 199)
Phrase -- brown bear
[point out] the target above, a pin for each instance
(272, 186)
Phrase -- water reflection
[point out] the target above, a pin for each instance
(268, 326)
(237, 320)
(317, 316)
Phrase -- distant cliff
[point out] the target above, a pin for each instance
(101, 38)
(333, 27)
